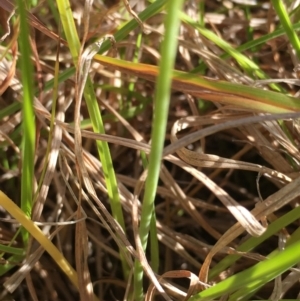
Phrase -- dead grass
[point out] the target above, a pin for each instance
(223, 166)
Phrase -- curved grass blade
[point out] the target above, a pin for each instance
(214, 90)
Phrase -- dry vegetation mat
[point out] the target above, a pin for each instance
(149, 150)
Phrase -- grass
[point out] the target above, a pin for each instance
(159, 126)
(28, 122)
(150, 155)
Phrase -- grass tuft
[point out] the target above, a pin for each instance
(151, 148)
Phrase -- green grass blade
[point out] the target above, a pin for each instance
(150, 11)
(254, 43)
(265, 38)
(63, 76)
(248, 65)
(154, 251)
(11, 250)
(287, 25)
(250, 289)
(10, 263)
(64, 8)
(10, 109)
(253, 242)
(162, 99)
(263, 272)
(28, 123)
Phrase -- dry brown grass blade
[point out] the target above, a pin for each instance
(291, 279)
(133, 14)
(176, 274)
(270, 205)
(186, 204)
(81, 255)
(9, 75)
(265, 147)
(86, 20)
(31, 288)
(135, 134)
(223, 69)
(34, 21)
(6, 12)
(172, 148)
(7, 6)
(282, 138)
(247, 220)
(5, 17)
(51, 164)
(218, 171)
(213, 161)
(166, 193)
(277, 291)
(171, 240)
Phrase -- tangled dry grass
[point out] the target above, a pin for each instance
(206, 184)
